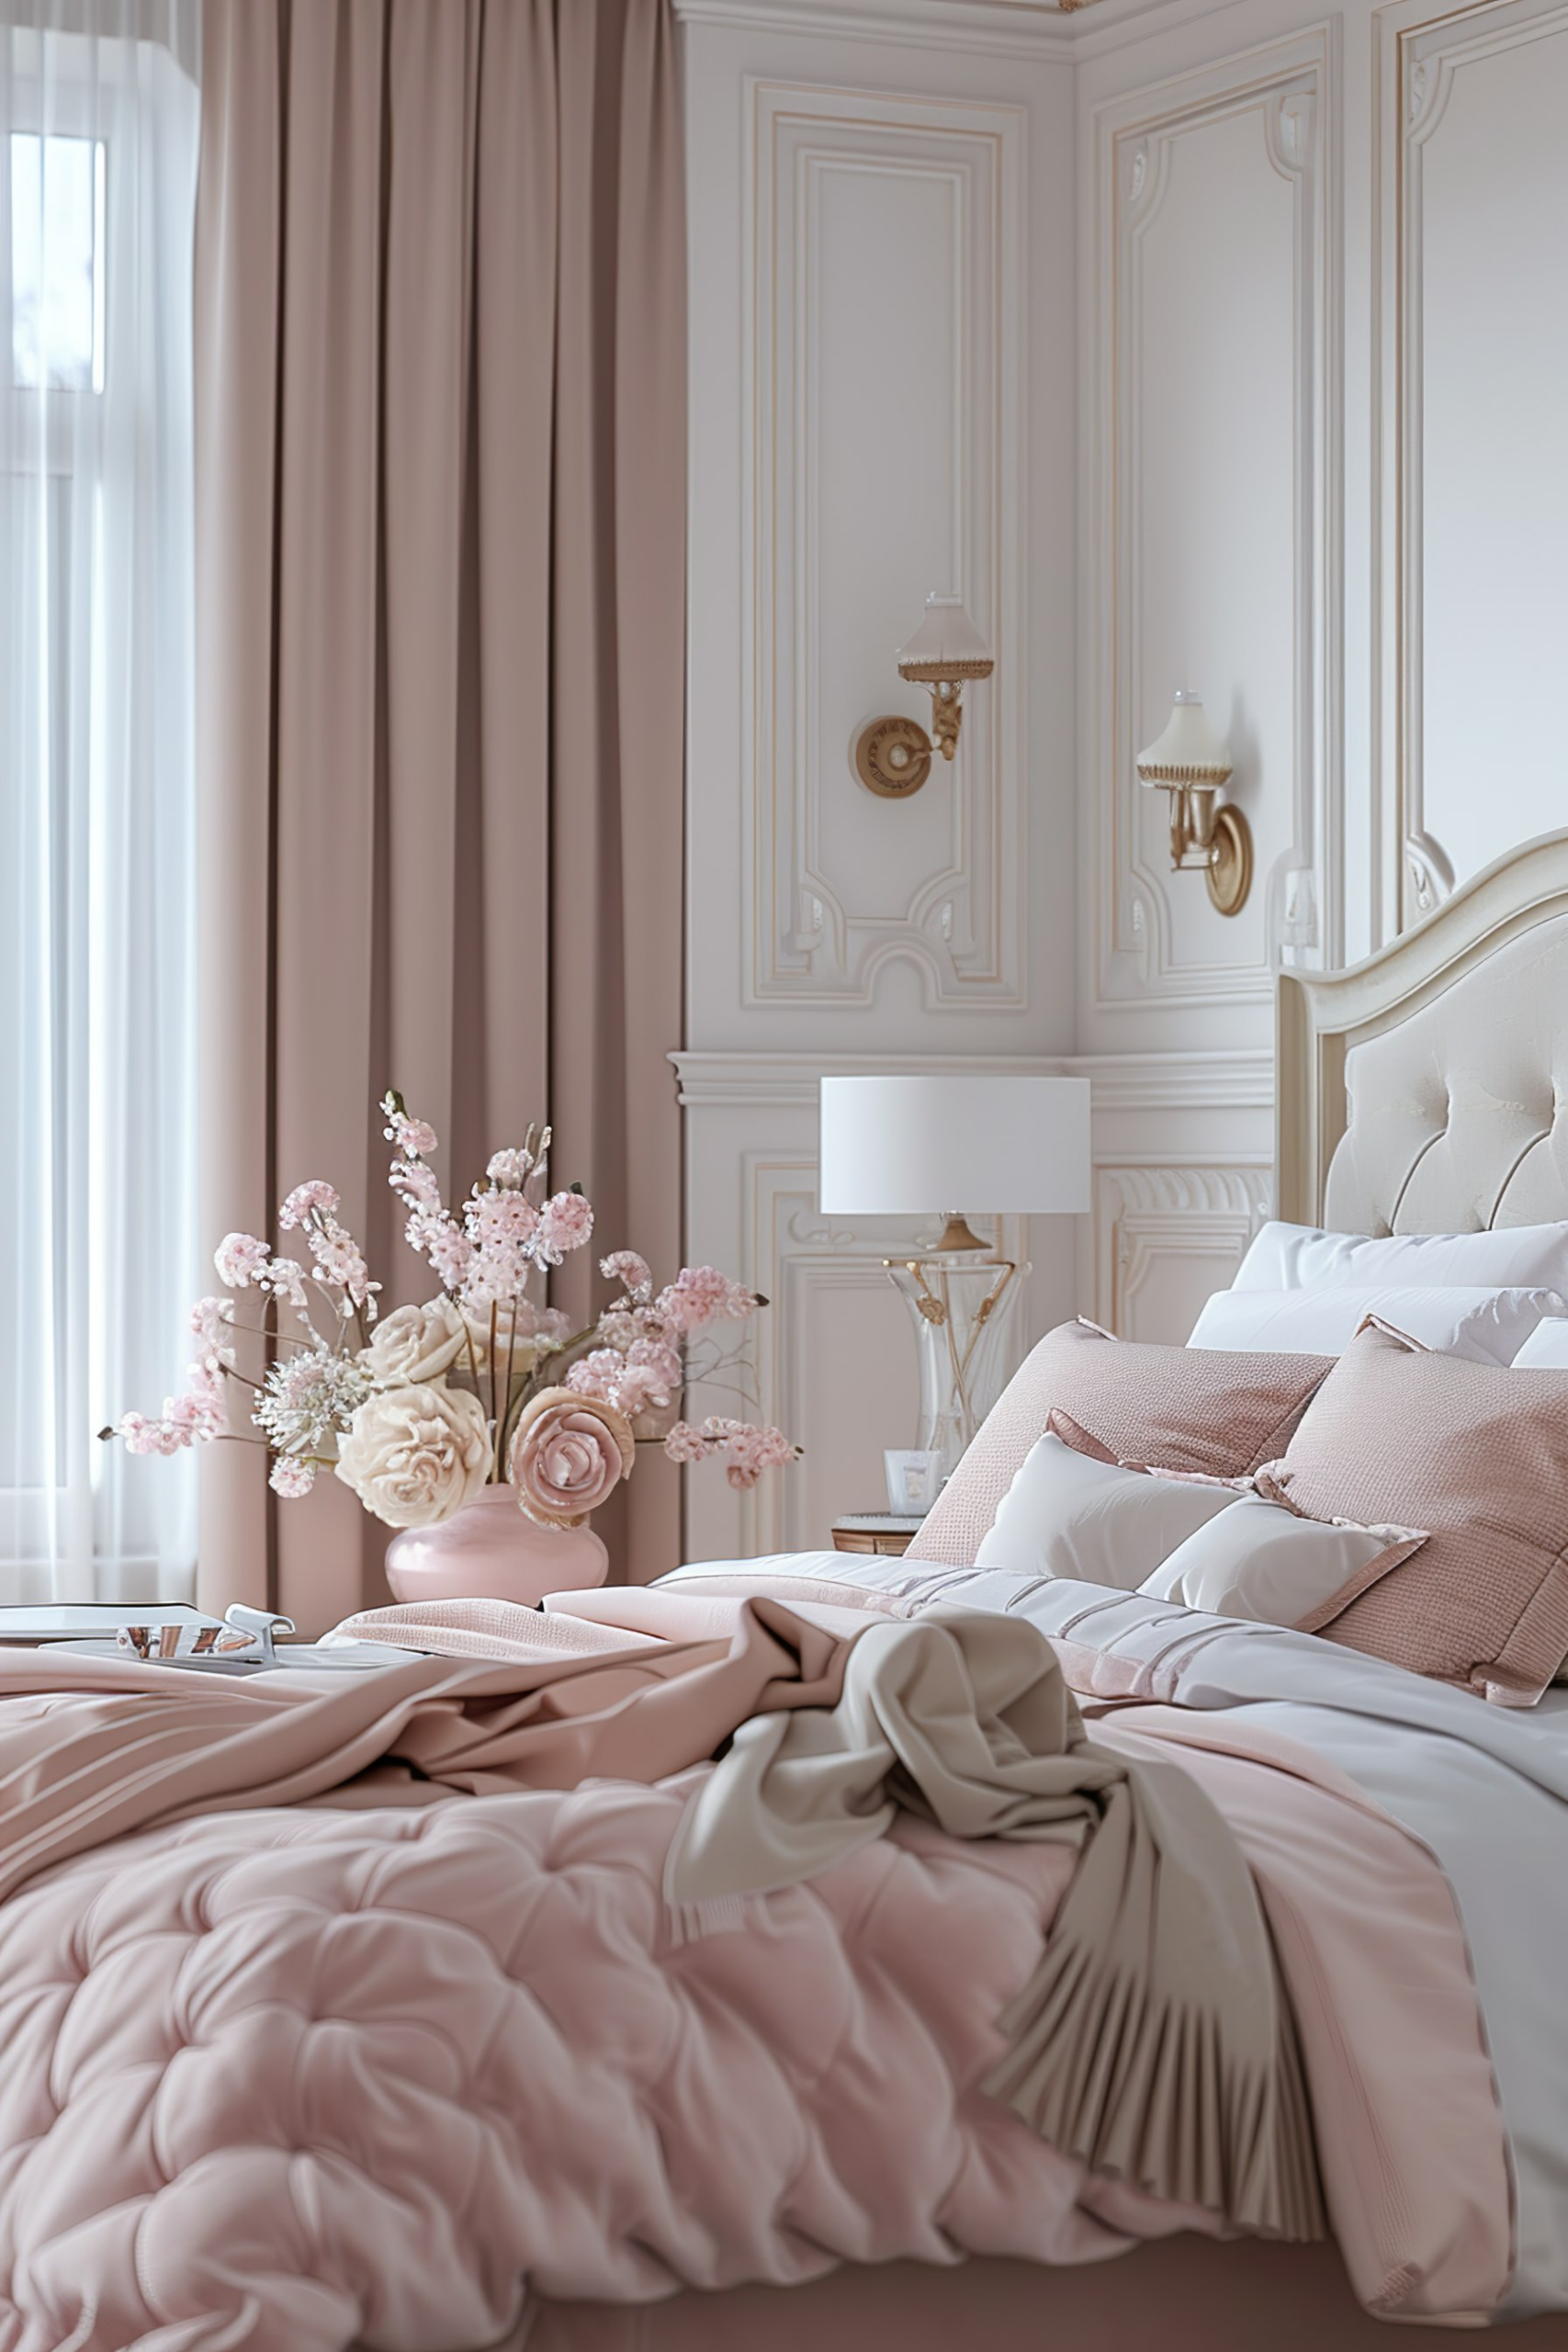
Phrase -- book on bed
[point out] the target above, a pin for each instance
(74, 1620)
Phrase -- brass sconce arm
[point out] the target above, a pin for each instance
(1207, 835)
(1194, 812)
(946, 683)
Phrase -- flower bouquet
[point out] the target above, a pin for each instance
(480, 1388)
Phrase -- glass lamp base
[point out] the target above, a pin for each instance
(965, 1318)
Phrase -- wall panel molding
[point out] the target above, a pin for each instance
(1219, 1078)
(852, 198)
(807, 1264)
(1287, 93)
(1420, 58)
(1166, 1235)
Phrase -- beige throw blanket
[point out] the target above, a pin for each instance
(1152, 2042)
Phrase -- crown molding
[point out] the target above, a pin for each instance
(980, 28)
(753, 1081)
(1218, 1080)
(1020, 28)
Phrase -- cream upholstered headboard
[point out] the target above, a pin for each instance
(1426, 1091)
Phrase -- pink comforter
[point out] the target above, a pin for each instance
(301, 2078)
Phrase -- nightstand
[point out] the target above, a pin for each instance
(885, 1533)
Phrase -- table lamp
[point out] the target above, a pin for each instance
(996, 1144)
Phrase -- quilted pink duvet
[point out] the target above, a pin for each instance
(297, 2080)
(300, 2080)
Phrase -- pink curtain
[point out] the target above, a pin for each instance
(440, 427)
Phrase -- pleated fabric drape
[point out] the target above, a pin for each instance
(440, 563)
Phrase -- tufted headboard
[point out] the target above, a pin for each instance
(1426, 1091)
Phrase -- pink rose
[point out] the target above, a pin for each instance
(569, 1451)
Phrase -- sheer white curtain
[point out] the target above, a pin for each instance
(98, 983)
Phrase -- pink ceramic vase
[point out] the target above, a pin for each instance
(490, 1550)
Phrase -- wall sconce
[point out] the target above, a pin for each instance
(892, 755)
(1207, 835)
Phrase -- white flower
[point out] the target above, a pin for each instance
(290, 1477)
(414, 1342)
(308, 1399)
(415, 1455)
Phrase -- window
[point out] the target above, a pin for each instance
(57, 262)
(97, 972)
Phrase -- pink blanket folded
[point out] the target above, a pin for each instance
(91, 1747)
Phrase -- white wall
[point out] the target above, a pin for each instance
(882, 404)
(1426, 455)
(1218, 346)
(1474, 319)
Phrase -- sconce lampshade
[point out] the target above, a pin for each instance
(946, 645)
(1189, 752)
(1001, 1144)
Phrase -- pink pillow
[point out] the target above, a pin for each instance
(1213, 1410)
(1476, 1453)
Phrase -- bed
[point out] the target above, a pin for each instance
(1459, 1032)
(333, 2070)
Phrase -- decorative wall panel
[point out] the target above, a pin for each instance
(1165, 1237)
(1212, 548)
(883, 449)
(1472, 176)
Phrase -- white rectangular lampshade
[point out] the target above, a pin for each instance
(995, 1144)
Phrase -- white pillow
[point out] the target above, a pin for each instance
(1485, 1325)
(1546, 1350)
(1066, 1515)
(1258, 1560)
(1304, 1257)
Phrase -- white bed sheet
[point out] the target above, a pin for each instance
(1485, 1789)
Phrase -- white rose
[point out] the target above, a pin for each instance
(414, 1456)
(414, 1342)
(522, 1333)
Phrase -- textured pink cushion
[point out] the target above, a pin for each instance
(1169, 1408)
(1479, 1454)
